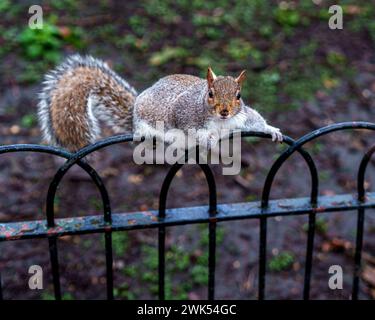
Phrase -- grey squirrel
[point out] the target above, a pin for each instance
(83, 92)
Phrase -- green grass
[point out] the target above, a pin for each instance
(120, 243)
(46, 295)
(167, 54)
(123, 292)
(174, 35)
(181, 263)
(47, 43)
(282, 261)
(29, 121)
(321, 226)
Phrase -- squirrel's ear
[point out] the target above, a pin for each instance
(211, 76)
(241, 77)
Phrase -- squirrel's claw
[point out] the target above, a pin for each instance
(276, 134)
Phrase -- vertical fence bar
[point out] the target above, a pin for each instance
(161, 267)
(1, 288)
(310, 237)
(108, 247)
(109, 263)
(358, 252)
(161, 230)
(211, 259)
(309, 255)
(108, 251)
(53, 254)
(211, 230)
(52, 242)
(361, 196)
(262, 257)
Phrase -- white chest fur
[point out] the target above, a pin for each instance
(235, 122)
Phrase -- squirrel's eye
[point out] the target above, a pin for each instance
(210, 94)
(238, 96)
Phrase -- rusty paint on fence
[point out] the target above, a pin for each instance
(149, 219)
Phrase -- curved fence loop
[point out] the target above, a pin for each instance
(75, 158)
(168, 181)
(300, 142)
(52, 241)
(67, 155)
(273, 171)
(306, 156)
(263, 220)
(361, 174)
(172, 173)
(165, 188)
(296, 146)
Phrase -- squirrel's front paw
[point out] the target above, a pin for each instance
(176, 137)
(212, 143)
(276, 134)
(208, 140)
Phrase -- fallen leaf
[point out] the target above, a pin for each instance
(368, 275)
(135, 178)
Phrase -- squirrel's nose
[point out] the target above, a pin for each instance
(224, 112)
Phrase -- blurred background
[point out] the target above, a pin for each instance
(301, 76)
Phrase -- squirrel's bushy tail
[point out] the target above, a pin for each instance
(78, 95)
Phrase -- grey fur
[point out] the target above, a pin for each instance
(180, 101)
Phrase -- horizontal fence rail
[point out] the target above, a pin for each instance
(180, 216)
(52, 228)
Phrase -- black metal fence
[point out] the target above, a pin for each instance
(52, 228)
